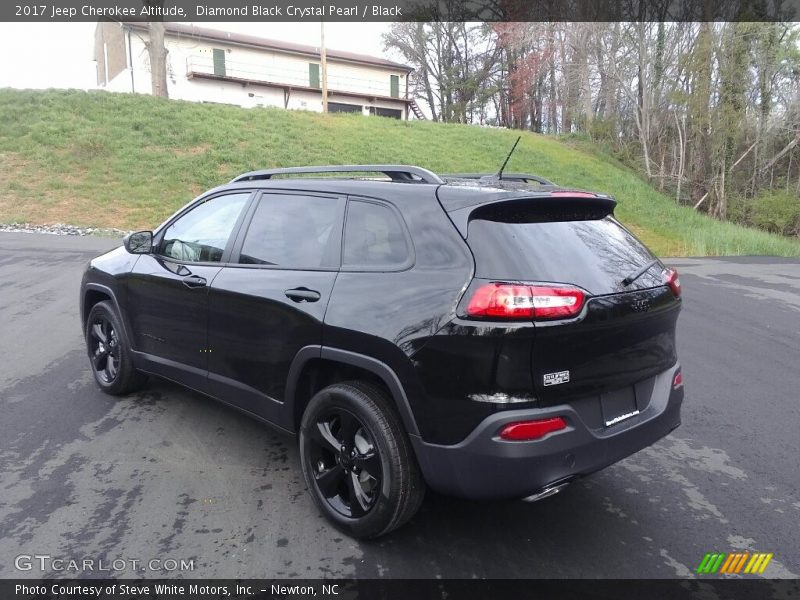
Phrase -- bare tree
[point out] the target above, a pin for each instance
(708, 111)
(454, 63)
(157, 50)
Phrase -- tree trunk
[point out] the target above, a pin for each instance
(566, 87)
(699, 104)
(157, 53)
(553, 116)
(681, 155)
(781, 154)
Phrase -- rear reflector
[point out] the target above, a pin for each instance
(678, 381)
(509, 301)
(532, 430)
(671, 279)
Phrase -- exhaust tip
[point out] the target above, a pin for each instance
(550, 490)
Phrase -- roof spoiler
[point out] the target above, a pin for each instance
(397, 173)
(542, 207)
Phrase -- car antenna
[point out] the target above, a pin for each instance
(499, 174)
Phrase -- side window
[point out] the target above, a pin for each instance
(294, 232)
(202, 234)
(374, 237)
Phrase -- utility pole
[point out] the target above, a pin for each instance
(323, 66)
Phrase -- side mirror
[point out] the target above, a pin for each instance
(140, 242)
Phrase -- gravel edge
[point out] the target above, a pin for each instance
(62, 229)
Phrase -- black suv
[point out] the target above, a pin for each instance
(487, 337)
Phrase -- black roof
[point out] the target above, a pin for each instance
(454, 191)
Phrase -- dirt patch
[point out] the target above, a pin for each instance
(192, 150)
(24, 198)
(180, 151)
(10, 167)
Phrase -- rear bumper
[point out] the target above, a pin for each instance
(485, 466)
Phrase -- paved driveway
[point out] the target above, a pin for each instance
(167, 473)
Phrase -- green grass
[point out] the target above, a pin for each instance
(113, 160)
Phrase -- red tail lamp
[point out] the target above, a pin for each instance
(532, 430)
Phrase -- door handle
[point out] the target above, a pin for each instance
(302, 294)
(194, 281)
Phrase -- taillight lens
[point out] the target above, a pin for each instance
(573, 195)
(510, 301)
(532, 430)
(672, 280)
(677, 381)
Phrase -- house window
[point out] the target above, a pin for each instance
(340, 107)
(386, 112)
(394, 86)
(219, 62)
(313, 75)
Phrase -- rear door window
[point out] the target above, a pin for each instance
(375, 238)
(293, 231)
(595, 254)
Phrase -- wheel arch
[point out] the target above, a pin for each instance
(94, 293)
(310, 359)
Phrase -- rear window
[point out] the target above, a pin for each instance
(595, 253)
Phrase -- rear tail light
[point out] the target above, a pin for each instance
(568, 194)
(509, 301)
(677, 382)
(532, 430)
(671, 279)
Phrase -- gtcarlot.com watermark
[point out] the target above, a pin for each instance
(49, 563)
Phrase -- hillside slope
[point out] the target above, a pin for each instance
(112, 160)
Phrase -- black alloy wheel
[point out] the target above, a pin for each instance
(345, 462)
(357, 459)
(104, 350)
(109, 353)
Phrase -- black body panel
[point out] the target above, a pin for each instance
(483, 466)
(255, 331)
(620, 339)
(167, 317)
(245, 333)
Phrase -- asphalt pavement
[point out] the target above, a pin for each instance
(168, 473)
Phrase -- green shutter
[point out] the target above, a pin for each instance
(394, 86)
(313, 75)
(219, 62)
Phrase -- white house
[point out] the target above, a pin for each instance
(205, 65)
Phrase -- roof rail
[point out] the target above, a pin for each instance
(398, 173)
(522, 177)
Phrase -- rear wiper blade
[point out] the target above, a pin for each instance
(636, 274)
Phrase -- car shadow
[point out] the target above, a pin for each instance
(586, 530)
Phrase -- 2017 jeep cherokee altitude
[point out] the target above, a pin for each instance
(485, 337)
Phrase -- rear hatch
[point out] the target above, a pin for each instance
(616, 334)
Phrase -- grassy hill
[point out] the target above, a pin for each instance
(108, 160)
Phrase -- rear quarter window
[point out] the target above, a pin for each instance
(374, 238)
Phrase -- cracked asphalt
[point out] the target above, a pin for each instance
(167, 473)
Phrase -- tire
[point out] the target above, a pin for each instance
(357, 460)
(109, 352)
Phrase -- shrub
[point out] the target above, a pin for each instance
(777, 211)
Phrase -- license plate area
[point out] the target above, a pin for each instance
(619, 405)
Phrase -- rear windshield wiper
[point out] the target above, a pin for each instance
(636, 274)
